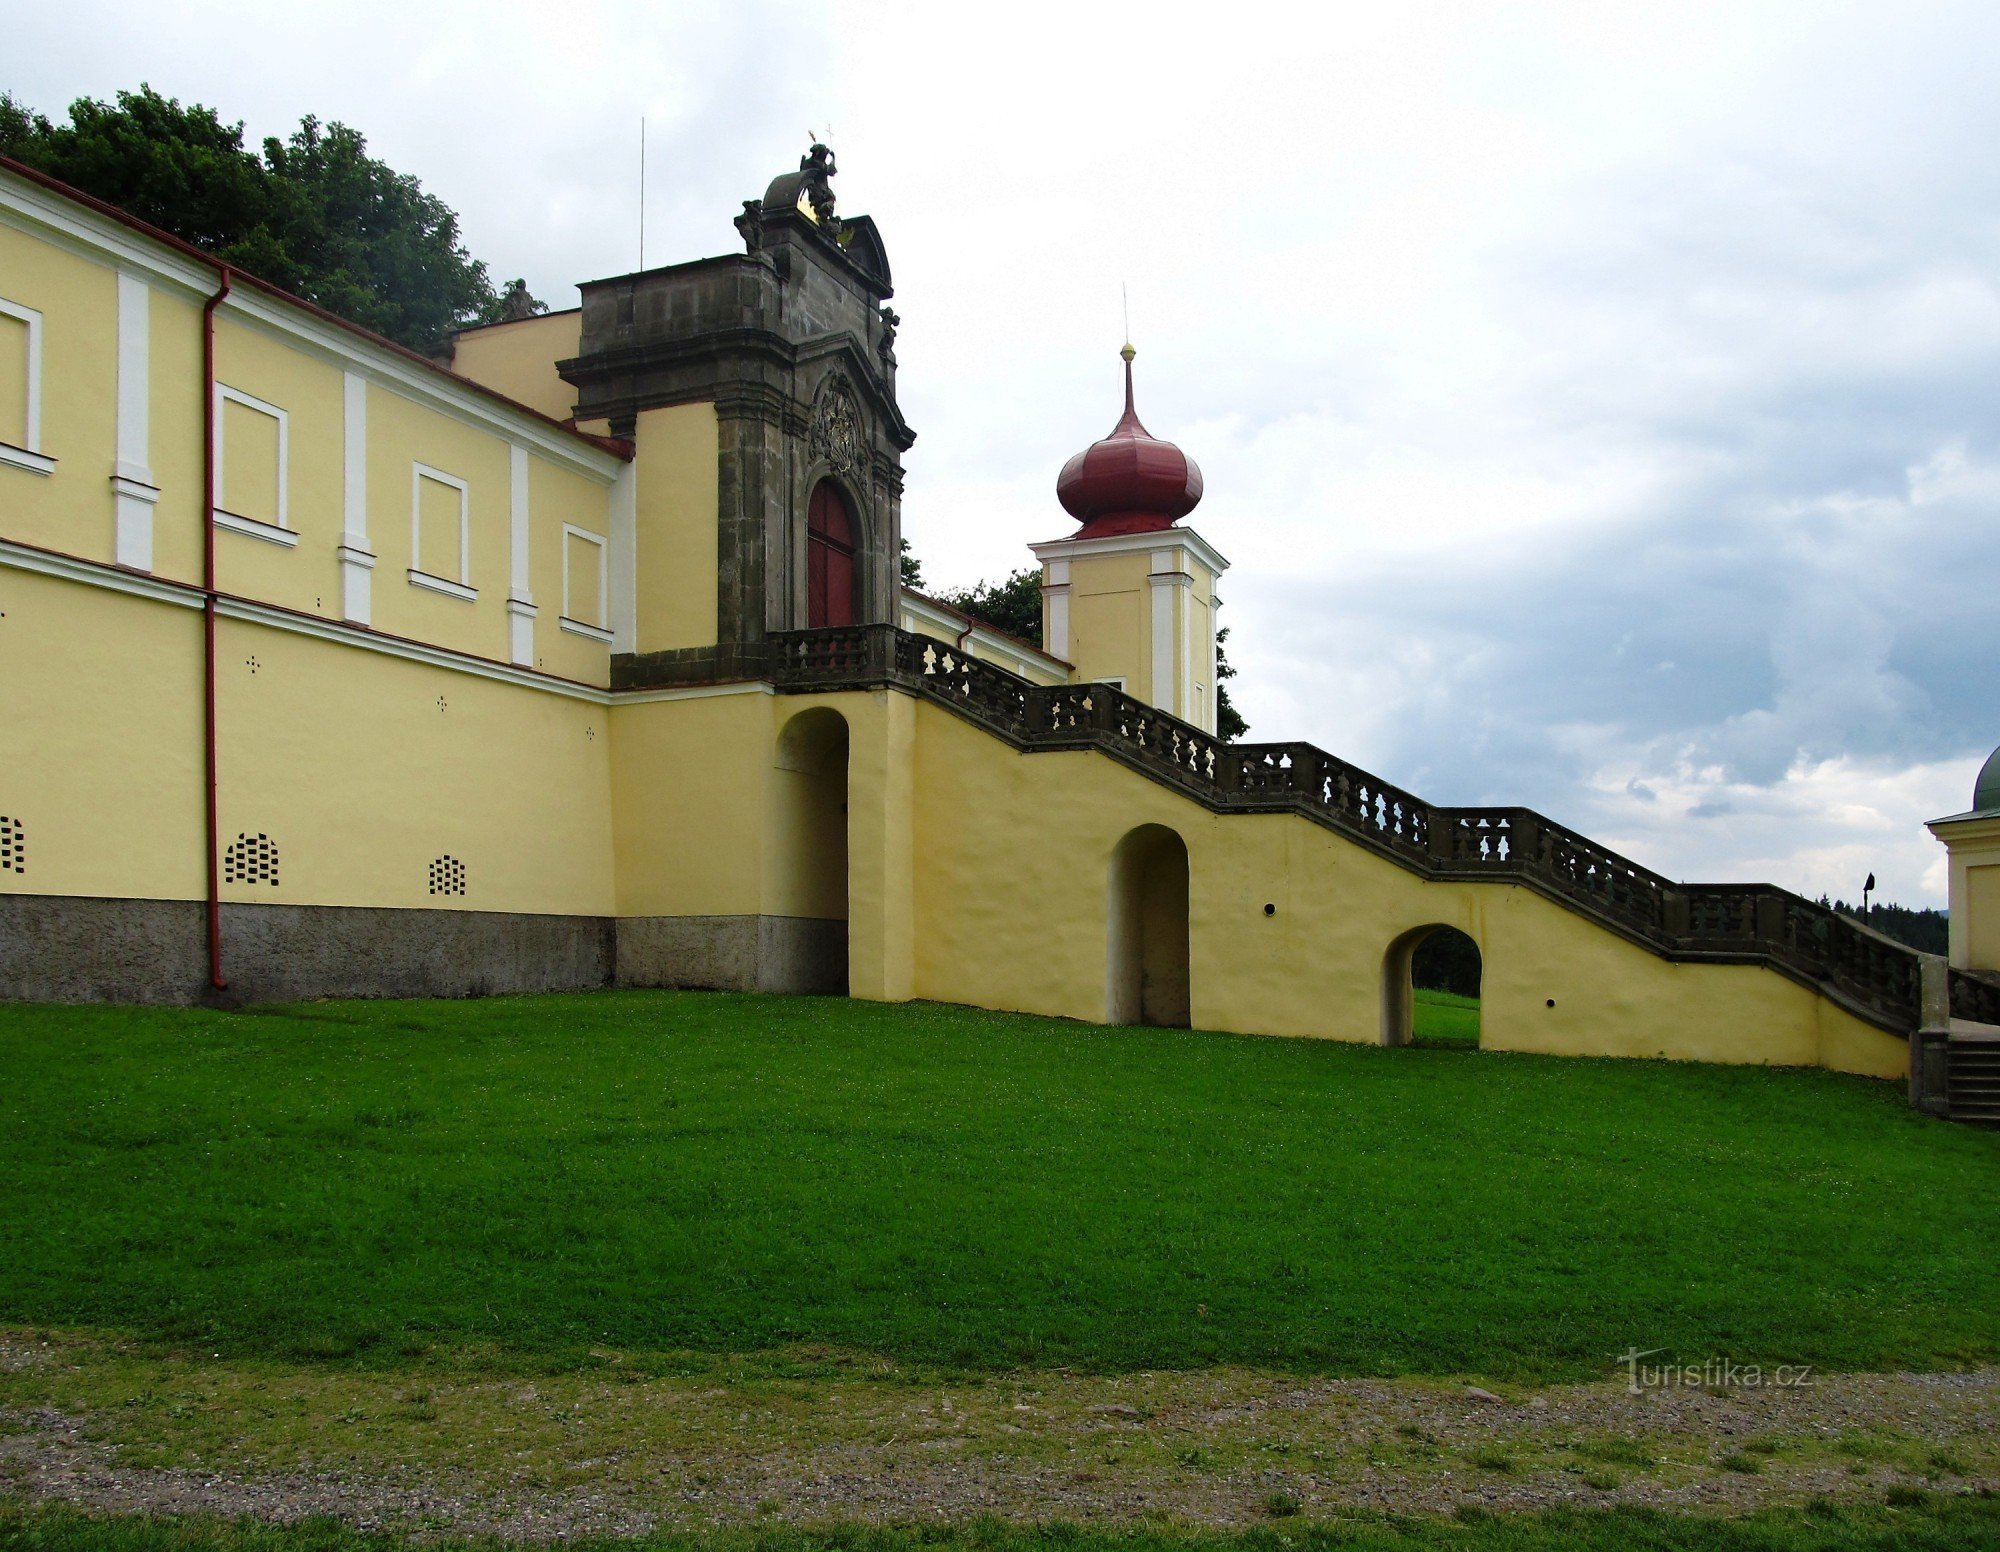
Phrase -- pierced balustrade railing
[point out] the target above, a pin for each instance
(1482, 839)
(1974, 996)
(1749, 920)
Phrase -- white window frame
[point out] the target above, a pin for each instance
(30, 457)
(1117, 684)
(569, 621)
(462, 587)
(281, 533)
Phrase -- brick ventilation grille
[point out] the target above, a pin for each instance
(13, 846)
(447, 876)
(251, 859)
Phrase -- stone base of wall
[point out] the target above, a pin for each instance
(734, 953)
(60, 948)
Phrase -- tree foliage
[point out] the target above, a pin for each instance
(1013, 605)
(1229, 723)
(314, 214)
(1927, 930)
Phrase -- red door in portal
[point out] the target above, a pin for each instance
(829, 558)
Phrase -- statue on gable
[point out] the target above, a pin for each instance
(816, 187)
(517, 304)
(750, 225)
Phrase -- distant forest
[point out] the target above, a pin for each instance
(1448, 961)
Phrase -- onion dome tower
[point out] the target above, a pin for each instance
(1131, 482)
(1130, 596)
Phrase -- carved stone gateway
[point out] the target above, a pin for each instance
(792, 342)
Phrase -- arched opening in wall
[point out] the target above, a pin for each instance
(1147, 939)
(1430, 989)
(802, 934)
(831, 575)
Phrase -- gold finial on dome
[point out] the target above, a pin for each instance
(1128, 352)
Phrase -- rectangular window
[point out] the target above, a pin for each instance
(252, 458)
(21, 388)
(585, 583)
(440, 532)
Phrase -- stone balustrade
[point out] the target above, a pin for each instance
(1874, 976)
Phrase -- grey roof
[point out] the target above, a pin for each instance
(1986, 790)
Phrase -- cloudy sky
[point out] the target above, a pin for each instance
(1598, 401)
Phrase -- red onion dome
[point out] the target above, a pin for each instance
(1131, 482)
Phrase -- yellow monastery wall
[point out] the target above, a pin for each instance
(103, 764)
(519, 359)
(689, 780)
(174, 377)
(309, 392)
(677, 500)
(285, 379)
(1031, 935)
(406, 442)
(569, 574)
(366, 768)
(1110, 620)
(343, 756)
(70, 507)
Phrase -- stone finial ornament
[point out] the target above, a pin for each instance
(750, 225)
(818, 168)
(517, 304)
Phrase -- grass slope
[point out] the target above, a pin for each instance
(658, 1171)
(1926, 1524)
(1445, 1021)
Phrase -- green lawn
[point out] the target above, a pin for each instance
(1926, 1524)
(661, 1172)
(1445, 1021)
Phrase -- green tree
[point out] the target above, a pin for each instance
(314, 214)
(912, 568)
(1014, 606)
(1229, 723)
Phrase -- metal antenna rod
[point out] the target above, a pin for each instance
(642, 191)
(1125, 301)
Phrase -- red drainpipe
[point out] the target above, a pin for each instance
(215, 976)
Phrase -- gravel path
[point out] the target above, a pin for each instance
(563, 1456)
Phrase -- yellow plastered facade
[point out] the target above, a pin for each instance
(68, 508)
(372, 727)
(1974, 844)
(308, 393)
(678, 491)
(519, 359)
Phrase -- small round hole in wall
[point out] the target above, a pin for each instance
(1552, 1002)
(1270, 910)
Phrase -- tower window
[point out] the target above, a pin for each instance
(830, 570)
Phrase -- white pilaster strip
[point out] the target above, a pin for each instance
(1055, 607)
(1160, 671)
(357, 558)
(1184, 623)
(133, 493)
(624, 559)
(520, 593)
